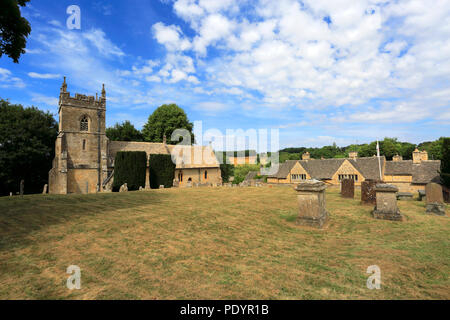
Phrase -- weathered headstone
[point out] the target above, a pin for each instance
(404, 196)
(311, 202)
(45, 189)
(421, 194)
(123, 188)
(141, 189)
(22, 187)
(386, 203)
(161, 186)
(368, 193)
(435, 199)
(348, 188)
(189, 184)
(10, 194)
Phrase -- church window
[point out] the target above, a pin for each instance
(206, 175)
(84, 124)
(84, 144)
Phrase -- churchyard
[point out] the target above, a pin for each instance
(217, 243)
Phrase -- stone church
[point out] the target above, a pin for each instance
(84, 156)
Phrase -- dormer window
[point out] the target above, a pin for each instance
(84, 124)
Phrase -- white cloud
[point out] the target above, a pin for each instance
(324, 54)
(49, 101)
(7, 80)
(170, 36)
(43, 75)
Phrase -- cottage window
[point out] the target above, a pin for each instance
(84, 124)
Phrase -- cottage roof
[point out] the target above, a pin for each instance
(368, 166)
(426, 171)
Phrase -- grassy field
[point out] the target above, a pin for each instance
(216, 243)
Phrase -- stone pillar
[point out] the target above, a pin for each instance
(435, 199)
(147, 176)
(348, 188)
(386, 203)
(311, 202)
(368, 194)
(22, 187)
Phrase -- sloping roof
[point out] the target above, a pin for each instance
(426, 171)
(284, 169)
(200, 156)
(194, 156)
(251, 175)
(149, 147)
(402, 167)
(368, 166)
(323, 168)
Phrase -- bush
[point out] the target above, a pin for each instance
(241, 171)
(226, 171)
(162, 170)
(445, 163)
(130, 168)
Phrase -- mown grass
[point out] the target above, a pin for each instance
(216, 243)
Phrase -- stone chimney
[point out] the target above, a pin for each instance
(397, 158)
(353, 154)
(306, 156)
(419, 156)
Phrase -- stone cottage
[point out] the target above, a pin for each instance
(84, 156)
(407, 175)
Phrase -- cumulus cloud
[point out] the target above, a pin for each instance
(319, 54)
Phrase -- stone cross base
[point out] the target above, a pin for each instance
(311, 201)
(436, 208)
(386, 199)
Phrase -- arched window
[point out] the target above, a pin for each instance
(180, 176)
(206, 175)
(84, 144)
(84, 124)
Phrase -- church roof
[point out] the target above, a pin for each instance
(200, 156)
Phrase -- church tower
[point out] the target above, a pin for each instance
(80, 163)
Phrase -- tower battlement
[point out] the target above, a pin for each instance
(81, 100)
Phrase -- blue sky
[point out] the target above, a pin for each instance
(319, 71)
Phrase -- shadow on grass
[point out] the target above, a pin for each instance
(21, 216)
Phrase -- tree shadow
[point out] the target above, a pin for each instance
(21, 216)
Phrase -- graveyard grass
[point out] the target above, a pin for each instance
(216, 243)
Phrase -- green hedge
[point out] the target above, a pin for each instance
(130, 167)
(162, 171)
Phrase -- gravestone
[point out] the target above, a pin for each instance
(22, 187)
(10, 194)
(386, 203)
(161, 186)
(44, 191)
(311, 203)
(123, 188)
(141, 189)
(348, 188)
(435, 199)
(189, 184)
(404, 196)
(421, 194)
(368, 193)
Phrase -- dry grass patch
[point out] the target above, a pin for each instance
(216, 243)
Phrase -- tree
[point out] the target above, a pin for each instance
(14, 29)
(226, 171)
(164, 121)
(27, 140)
(445, 162)
(124, 132)
(130, 167)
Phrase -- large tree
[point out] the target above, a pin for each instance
(14, 29)
(124, 131)
(164, 121)
(27, 139)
